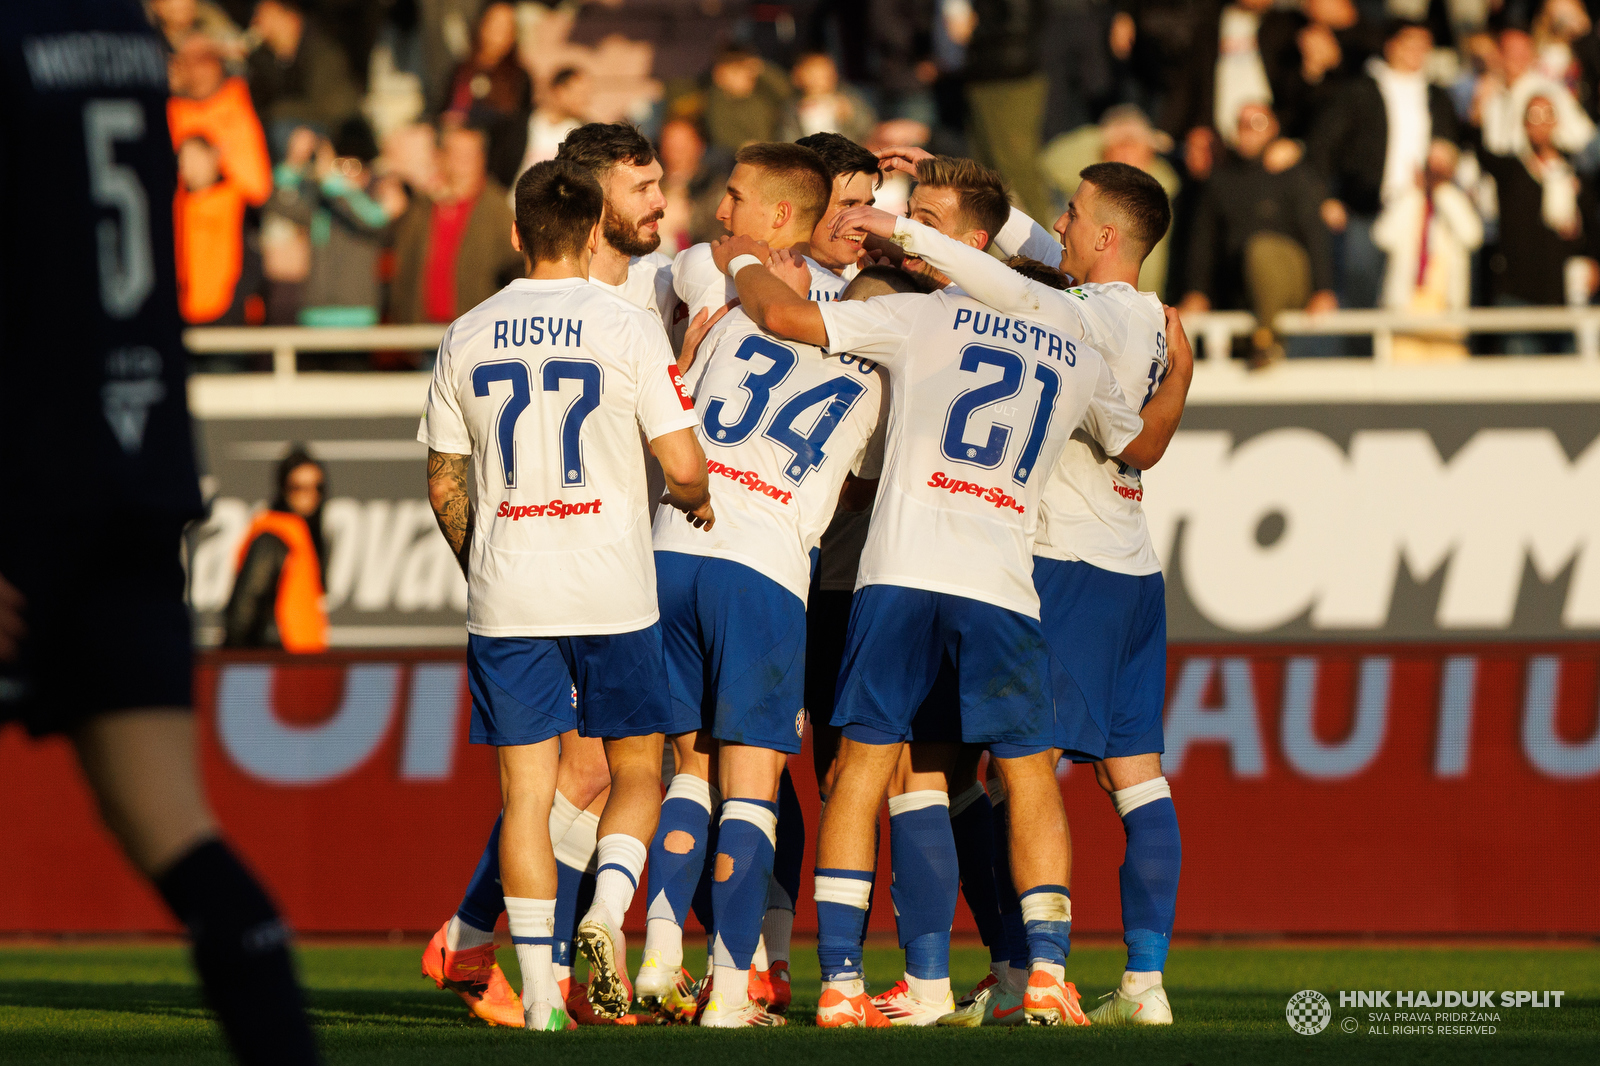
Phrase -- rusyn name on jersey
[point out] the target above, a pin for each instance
(515, 332)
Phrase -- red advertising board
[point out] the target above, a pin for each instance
(1401, 788)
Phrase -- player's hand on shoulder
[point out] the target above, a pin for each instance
(725, 249)
(903, 158)
(698, 328)
(12, 627)
(792, 270)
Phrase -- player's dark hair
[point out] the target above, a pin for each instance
(1136, 197)
(558, 203)
(599, 146)
(1034, 270)
(980, 191)
(794, 173)
(841, 155)
(881, 280)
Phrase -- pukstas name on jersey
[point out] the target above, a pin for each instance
(539, 329)
(1017, 331)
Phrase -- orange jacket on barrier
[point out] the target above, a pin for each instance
(302, 622)
(228, 120)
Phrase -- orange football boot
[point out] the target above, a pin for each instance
(835, 1010)
(582, 1011)
(1051, 1002)
(760, 987)
(473, 975)
(778, 978)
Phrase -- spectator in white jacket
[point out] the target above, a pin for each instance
(1430, 234)
(1502, 97)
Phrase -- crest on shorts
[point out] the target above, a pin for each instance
(800, 722)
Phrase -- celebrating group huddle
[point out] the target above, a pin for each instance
(928, 463)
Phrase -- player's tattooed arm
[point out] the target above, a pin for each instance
(1165, 409)
(452, 506)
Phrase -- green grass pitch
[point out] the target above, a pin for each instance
(98, 1004)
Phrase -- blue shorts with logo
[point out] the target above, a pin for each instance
(735, 645)
(528, 689)
(899, 637)
(1108, 639)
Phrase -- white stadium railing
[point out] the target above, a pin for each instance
(1213, 333)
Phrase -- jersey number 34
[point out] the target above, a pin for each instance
(840, 393)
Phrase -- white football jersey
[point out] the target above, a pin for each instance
(546, 385)
(781, 423)
(649, 285)
(980, 407)
(1092, 508)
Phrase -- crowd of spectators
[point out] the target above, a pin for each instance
(1420, 155)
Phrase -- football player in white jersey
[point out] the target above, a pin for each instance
(941, 827)
(782, 424)
(543, 387)
(461, 954)
(979, 401)
(777, 193)
(1096, 570)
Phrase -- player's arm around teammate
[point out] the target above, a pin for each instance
(997, 285)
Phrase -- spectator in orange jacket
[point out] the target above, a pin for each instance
(207, 103)
(277, 591)
(208, 219)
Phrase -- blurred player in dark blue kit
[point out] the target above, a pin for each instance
(94, 634)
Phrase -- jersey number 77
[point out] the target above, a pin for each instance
(552, 373)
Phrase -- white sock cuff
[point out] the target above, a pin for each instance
(1133, 797)
(1046, 907)
(690, 787)
(755, 814)
(997, 792)
(850, 891)
(577, 848)
(919, 800)
(531, 917)
(620, 849)
(966, 799)
(563, 812)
